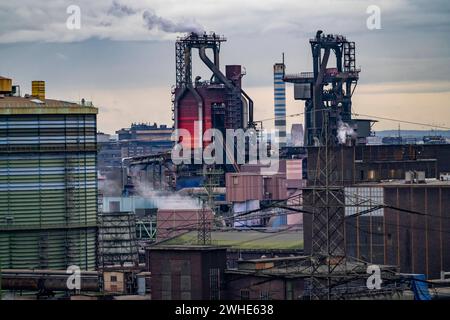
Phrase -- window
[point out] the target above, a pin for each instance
(289, 291)
(245, 294)
(235, 180)
(264, 295)
(214, 283)
(389, 239)
(113, 278)
(114, 206)
(166, 284)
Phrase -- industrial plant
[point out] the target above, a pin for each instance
(138, 225)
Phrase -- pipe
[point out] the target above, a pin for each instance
(225, 80)
(244, 110)
(216, 59)
(250, 107)
(175, 107)
(215, 70)
(318, 91)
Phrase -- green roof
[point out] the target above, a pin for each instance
(280, 240)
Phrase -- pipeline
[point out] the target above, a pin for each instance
(216, 71)
(47, 280)
(250, 108)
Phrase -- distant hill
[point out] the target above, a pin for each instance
(413, 133)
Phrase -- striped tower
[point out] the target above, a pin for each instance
(280, 101)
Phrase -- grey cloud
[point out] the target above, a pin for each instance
(120, 10)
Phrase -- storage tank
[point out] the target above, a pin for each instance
(5, 85)
(48, 184)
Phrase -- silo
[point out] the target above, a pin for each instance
(48, 184)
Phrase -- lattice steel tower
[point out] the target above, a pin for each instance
(326, 201)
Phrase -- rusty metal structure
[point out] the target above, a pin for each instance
(117, 244)
(328, 102)
(327, 88)
(219, 103)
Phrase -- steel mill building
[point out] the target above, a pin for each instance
(48, 180)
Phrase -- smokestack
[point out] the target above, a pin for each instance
(5, 85)
(279, 87)
(38, 89)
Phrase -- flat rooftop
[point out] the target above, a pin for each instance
(251, 240)
(401, 183)
(12, 105)
(167, 247)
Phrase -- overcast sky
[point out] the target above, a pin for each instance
(122, 57)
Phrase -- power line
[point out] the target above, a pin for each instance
(402, 121)
(366, 115)
(282, 117)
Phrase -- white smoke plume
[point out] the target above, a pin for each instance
(153, 21)
(166, 200)
(344, 130)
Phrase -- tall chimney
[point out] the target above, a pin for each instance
(280, 101)
(38, 89)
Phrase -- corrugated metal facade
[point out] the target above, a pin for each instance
(275, 187)
(375, 163)
(172, 222)
(48, 187)
(244, 186)
(415, 243)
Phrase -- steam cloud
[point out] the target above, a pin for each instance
(166, 200)
(154, 21)
(343, 131)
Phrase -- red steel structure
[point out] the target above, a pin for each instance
(218, 103)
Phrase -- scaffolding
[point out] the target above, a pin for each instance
(117, 242)
(212, 181)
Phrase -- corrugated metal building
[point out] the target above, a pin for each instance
(187, 272)
(417, 243)
(48, 183)
(172, 222)
(375, 163)
(275, 187)
(244, 186)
